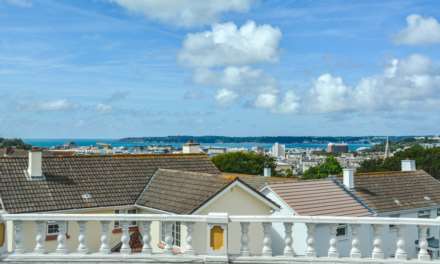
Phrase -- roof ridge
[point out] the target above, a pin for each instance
(188, 172)
(380, 173)
(147, 155)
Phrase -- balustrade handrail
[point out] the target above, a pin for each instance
(336, 220)
(221, 218)
(114, 217)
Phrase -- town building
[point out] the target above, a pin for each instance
(336, 148)
(191, 147)
(278, 151)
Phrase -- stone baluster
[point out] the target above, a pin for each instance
(333, 250)
(82, 247)
(61, 238)
(355, 251)
(189, 238)
(39, 239)
(105, 248)
(423, 244)
(146, 237)
(244, 245)
(125, 238)
(377, 243)
(19, 249)
(310, 240)
(288, 240)
(168, 238)
(267, 240)
(400, 244)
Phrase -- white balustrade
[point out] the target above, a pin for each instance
(401, 254)
(267, 239)
(189, 238)
(355, 251)
(423, 244)
(327, 225)
(310, 240)
(146, 237)
(168, 238)
(61, 238)
(125, 238)
(82, 247)
(377, 243)
(105, 248)
(288, 240)
(244, 246)
(19, 249)
(333, 249)
(39, 238)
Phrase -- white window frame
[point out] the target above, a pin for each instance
(54, 225)
(342, 227)
(117, 224)
(176, 232)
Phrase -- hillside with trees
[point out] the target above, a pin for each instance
(426, 159)
(14, 142)
(244, 162)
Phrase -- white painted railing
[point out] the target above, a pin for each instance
(213, 230)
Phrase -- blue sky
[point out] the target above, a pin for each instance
(116, 68)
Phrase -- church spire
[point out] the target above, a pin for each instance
(387, 153)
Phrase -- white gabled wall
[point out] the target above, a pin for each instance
(235, 201)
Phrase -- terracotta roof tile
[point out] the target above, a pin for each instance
(319, 197)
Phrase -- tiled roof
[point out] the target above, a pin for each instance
(110, 180)
(258, 181)
(180, 192)
(319, 197)
(398, 190)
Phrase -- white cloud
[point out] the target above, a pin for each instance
(406, 84)
(103, 108)
(289, 104)
(19, 3)
(227, 45)
(226, 96)
(419, 30)
(266, 100)
(329, 94)
(49, 106)
(185, 13)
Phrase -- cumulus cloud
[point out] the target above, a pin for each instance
(225, 96)
(329, 94)
(49, 106)
(103, 108)
(405, 84)
(419, 30)
(228, 45)
(222, 58)
(184, 13)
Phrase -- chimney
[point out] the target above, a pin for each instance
(34, 164)
(267, 172)
(348, 175)
(408, 165)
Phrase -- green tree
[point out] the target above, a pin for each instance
(244, 162)
(13, 142)
(330, 167)
(426, 159)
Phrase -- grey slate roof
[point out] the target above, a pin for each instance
(184, 192)
(394, 191)
(180, 192)
(110, 180)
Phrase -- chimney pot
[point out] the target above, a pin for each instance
(35, 164)
(408, 165)
(348, 178)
